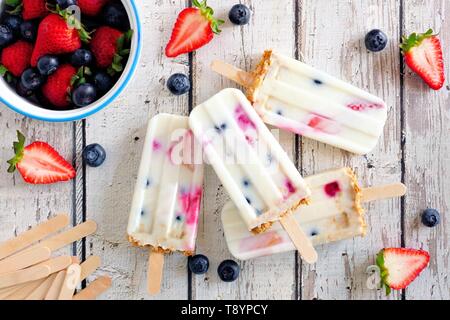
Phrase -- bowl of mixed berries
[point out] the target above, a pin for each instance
(64, 60)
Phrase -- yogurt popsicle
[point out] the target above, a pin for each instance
(335, 214)
(261, 180)
(291, 95)
(166, 202)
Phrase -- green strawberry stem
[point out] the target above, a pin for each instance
(384, 272)
(16, 4)
(18, 150)
(414, 40)
(208, 13)
(3, 70)
(122, 50)
(73, 22)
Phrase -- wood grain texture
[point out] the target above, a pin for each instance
(332, 39)
(23, 206)
(427, 155)
(271, 26)
(328, 35)
(121, 129)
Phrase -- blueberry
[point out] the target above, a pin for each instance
(63, 4)
(179, 84)
(6, 35)
(431, 218)
(198, 264)
(103, 82)
(81, 57)
(21, 91)
(31, 79)
(114, 15)
(240, 14)
(376, 40)
(84, 95)
(228, 271)
(13, 22)
(94, 155)
(28, 31)
(48, 65)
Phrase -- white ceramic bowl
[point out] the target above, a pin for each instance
(10, 98)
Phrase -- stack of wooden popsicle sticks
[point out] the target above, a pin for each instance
(29, 272)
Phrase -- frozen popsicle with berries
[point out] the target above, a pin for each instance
(294, 96)
(166, 203)
(256, 172)
(335, 213)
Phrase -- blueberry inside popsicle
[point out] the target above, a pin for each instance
(260, 178)
(166, 203)
(296, 97)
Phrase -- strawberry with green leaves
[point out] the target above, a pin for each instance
(30, 9)
(194, 28)
(110, 46)
(400, 266)
(423, 54)
(39, 163)
(16, 58)
(58, 34)
(58, 86)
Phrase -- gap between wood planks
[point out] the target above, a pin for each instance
(79, 142)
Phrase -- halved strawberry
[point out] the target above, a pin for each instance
(423, 54)
(195, 27)
(39, 163)
(400, 266)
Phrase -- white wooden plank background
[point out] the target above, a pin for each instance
(328, 35)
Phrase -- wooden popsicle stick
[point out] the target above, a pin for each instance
(41, 291)
(383, 192)
(94, 289)
(55, 288)
(67, 237)
(57, 264)
(89, 266)
(31, 236)
(70, 283)
(233, 73)
(25, 290)
(25, 259)
(5, 292)
(299, 238)
(155, 272)
(21, 276)
(75, 260)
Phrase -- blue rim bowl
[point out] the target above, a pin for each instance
(15, 102)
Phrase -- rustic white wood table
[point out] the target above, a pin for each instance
(327, 34)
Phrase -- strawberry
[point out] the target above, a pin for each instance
(423, 54)
(91, 7)
(39, 163)
(56, 36)
(16, 58)
(400, 266)
(107, 45)
(58, 86)
(31, 9)
(194, 28)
